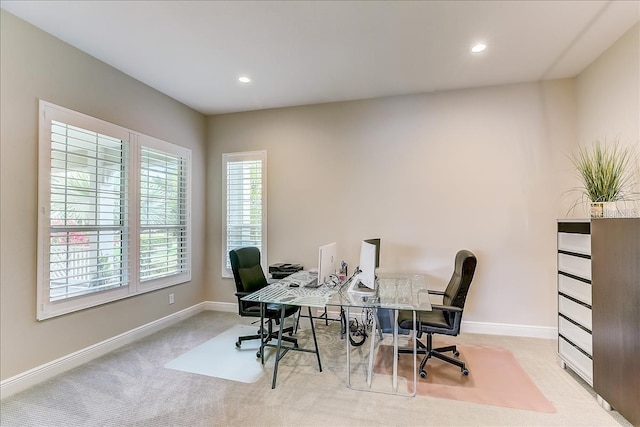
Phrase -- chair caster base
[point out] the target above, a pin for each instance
(465, 372)
(423, 374)
(238, 344)
(456, 353)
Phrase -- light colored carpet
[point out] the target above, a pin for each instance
(131, 387)
(220, 358)
(495, 378)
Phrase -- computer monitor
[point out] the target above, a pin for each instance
(377, 243)
(367, 275)
(326, 262)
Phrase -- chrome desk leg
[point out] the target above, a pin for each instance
(372, 348)
(315, 341)
(415, 355)
(275, 368)
(379, 326)
(348, 347)
(395, 350)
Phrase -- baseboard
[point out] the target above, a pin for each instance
(227, 307)
(46, 371)
(506, 329)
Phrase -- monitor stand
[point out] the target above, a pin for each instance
(356, 287)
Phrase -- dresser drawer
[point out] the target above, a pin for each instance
(577, 266)
(575, 288)
(577, 312)
(573, 242)
(579, 362)
(575, 334)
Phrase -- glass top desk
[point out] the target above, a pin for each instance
(395, 292)
(281, 292)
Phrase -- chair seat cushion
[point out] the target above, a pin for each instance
(426, 319)
(273, 310)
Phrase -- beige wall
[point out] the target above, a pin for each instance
(484, 169)
(608, 95)
(36, 65)
(429, 174)
(487, 169)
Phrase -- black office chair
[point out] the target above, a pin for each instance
(443, 319)
(249, 277)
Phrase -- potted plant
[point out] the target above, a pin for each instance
(605, 170)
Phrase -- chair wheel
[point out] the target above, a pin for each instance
(238, 344)
(456, 353)
(258, 354)
(423, 374)
(465, 372)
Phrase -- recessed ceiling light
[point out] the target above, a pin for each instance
(244, 79)
(477, 48)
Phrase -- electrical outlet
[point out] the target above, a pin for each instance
(172, 298)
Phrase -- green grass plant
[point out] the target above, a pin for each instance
(605, 170)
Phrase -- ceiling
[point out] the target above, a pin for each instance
(310, 52)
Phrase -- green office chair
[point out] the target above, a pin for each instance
(443, 319)
(249, 277)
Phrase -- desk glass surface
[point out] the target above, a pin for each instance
(394, 291)
(281, 293)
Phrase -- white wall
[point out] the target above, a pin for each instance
(429, 174)
(35, 65)
(608, 96)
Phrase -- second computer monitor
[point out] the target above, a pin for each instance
(326, 262)
(366, 276)
(375, 242)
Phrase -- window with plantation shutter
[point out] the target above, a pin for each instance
(87, 212)
(113, 212)
(244, 207)
(163, 214)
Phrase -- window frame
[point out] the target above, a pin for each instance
(131, 284)
(243, 156)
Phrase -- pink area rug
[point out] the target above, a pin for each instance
(495, 378)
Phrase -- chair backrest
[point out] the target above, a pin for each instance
(458, 287)
(247, 271)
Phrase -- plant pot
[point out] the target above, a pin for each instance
(610, 210)
(604, 210)
(596, 210)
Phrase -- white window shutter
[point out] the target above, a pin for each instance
(245, 203)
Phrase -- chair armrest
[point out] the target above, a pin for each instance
(242, 294)
(432, 292)
(449, 308)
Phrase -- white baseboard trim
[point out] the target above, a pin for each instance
(496, 328)
(48, 370)
(529, 331)
(227, 307)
